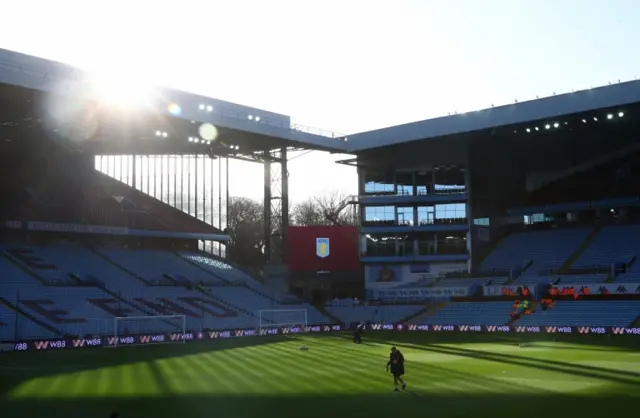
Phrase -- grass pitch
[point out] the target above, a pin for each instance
(450, 375)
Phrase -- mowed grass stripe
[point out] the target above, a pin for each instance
(307, 366)
(191, 375)
(348, 370)
(244, 372)
(274, 368)
(364, 362)
(295, 367)
(219, 372)
(233, 374)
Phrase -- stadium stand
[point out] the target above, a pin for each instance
(593, 313)
(79, 291)
(376, 314)
(614, 244)
(546, 249)
(469, 313)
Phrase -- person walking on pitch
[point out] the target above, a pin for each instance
(396, 364)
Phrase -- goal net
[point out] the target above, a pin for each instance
(144, 330)
(274, 318)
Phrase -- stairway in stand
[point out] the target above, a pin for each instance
(427, 312)
(325, 312)
(20, 311)
(581, 249)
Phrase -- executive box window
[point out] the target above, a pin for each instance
(389, 245)
(424, 182)
(426, 243)
(426, 215)
(451, 213)
(452, 243)
(404, 183)
(449, 180)
(405, 216)
(379, 215)
(379, 184)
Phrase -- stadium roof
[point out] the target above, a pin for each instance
(262, 130)
(259, 128)
(612, 96)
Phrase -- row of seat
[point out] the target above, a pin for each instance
(79, 291)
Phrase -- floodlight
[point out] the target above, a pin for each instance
(555, 125)
(609, 116)
(595, 118)
(190, 139)
(164, 134)
(158, 133)
(547, 126)
(584, 121)
(537, 129)
(621, 114)
(196, 140)
(201, 107)
(250, 117)
(208, 142)
(257, 118)
(209, 108)
(528, 130)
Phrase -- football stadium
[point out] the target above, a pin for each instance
(496, 249)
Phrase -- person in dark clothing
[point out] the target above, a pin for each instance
(396, 364)
(357, 334)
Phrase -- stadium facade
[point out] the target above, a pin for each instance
(105, 209)
(433, 193)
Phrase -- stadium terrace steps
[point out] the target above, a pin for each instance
(471, 313)
(593, 313)
(427, 312)
(19, 311)
(546, 249)
(199, 266)
(612, 245)
(119, 266)
(334, 319)
(6, 255)
(207, 292)
(593, 235)
(389, 314)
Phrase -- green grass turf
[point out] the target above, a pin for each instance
(448, 376)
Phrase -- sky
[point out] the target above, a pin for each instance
(341, 65)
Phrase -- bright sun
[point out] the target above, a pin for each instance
(121, 91)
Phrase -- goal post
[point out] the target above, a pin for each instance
(137, 330)
(271, 318)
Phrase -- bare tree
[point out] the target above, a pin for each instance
(329, 209)
(246, 231)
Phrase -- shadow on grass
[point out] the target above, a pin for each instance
(16, 368)
(407, 404)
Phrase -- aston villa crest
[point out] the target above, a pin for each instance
(322, 247)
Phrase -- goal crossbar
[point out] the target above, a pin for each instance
(282, 317)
